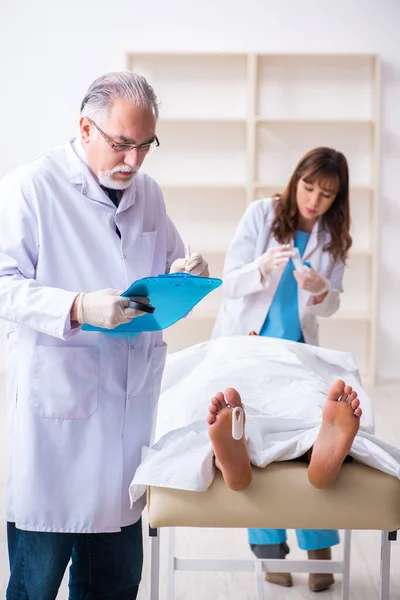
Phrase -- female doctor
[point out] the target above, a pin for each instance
(265, 295)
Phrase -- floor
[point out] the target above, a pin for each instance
(231, 543)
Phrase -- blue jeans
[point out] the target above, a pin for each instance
(105, 566)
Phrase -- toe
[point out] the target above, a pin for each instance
(220, 398)
(215, 401)
(213, 408)
(210, 419)
(355, 403)
(348, 389)
(336, 390)
(232, 396)
(349, 398)
(358, 412)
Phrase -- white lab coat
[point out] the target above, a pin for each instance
(80, 404)
(248, 299)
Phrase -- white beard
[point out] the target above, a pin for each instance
(106, 178)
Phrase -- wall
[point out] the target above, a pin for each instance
(52, 51)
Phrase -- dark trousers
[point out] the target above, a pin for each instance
(105, 566)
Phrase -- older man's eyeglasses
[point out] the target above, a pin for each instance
(117, 147)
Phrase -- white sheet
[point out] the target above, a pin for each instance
(283, 387)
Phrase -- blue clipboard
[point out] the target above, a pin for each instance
(172, 296)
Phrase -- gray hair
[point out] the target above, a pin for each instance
(103, 92)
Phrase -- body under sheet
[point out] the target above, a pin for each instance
(283, 386)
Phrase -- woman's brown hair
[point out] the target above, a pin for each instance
(322, 165)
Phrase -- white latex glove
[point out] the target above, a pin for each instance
(106, 308)
(275, 258)
(311, 281)
(195, 265)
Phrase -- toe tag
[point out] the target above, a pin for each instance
(237, 423)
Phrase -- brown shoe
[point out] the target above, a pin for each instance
(283, 579)
(320, 581)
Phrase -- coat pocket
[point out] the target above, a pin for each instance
(65, 381)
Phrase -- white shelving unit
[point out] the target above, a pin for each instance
(233, 127)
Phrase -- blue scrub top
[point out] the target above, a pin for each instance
(283, 319)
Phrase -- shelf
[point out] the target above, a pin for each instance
(183, 82)
(314, 86)
(356, 253)
(204, 119)
(204, 150)
(204, 313)
(191, 54)
(319, 121)
(202, 185)
(348, 316)
(156, 54)
(280, 146)
(281, 186)
(319, 55)
(211, 313)
(232, 128)
(258, 185)
(360, 253)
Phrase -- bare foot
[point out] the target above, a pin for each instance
(340, 423)
(231, 455)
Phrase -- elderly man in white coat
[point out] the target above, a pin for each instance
(77, 226)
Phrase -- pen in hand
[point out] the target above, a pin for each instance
(187, 254)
